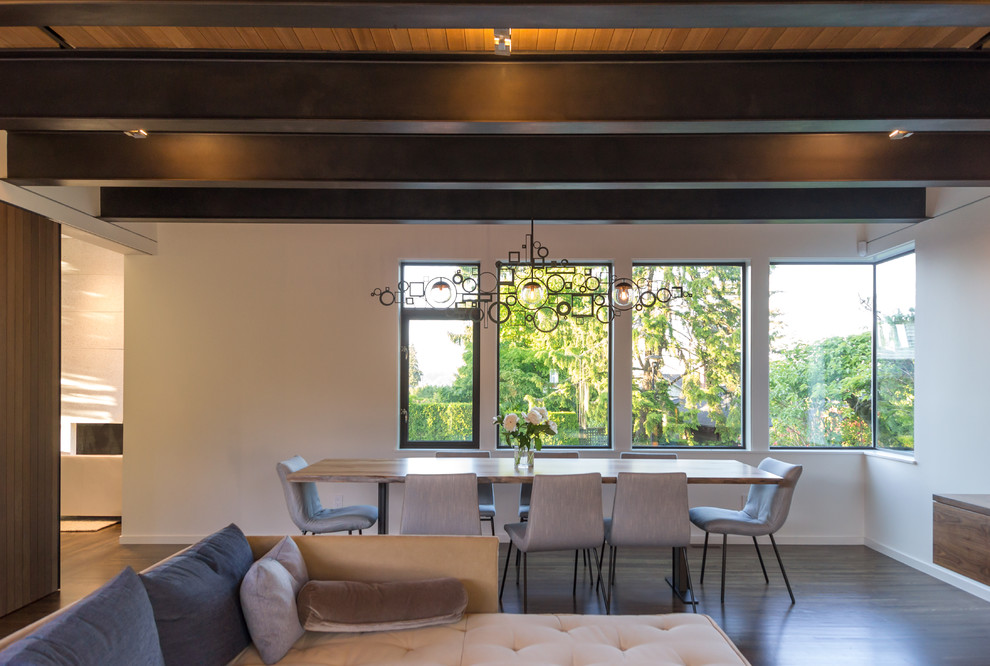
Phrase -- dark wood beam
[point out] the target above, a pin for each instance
(465, 14)
(499, 162)
(162, 204)
(181, 92)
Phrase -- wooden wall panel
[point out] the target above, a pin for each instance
(961, 541)
(29, 407)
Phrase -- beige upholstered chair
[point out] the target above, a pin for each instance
(650, 511)
(440, 504)
(486, 491)
(526, 489)
(642, 455)
(566, 515)
(765, 511)
(308, 513)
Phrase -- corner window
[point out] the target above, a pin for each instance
(560, 363)
(439, 363)
(687, 356)
(895, 353)
(821, 322)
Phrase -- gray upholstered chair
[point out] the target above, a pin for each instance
(486, 491)
(526, 489)
(642, 455)
(650, 511)
(764, 513)
(566, 514)
(308, 513)
(440, 504)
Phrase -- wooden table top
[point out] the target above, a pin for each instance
(501, 470)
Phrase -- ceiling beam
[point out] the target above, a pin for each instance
(179, 92)
(490, 206)
(499, 162)
(466, 14)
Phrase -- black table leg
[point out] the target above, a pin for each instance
(383, 508)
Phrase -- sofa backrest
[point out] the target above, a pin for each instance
(392, 557)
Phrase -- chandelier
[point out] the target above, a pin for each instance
(546, 291)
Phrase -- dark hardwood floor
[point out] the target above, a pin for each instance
(854, 606)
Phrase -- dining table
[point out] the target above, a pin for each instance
(387, 471)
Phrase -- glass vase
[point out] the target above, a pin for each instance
(523, 458)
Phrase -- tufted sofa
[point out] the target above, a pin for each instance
(482, 636)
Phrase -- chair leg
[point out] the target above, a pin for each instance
(687, 574)
(525, 557)
(725, 547)
(595, 557)
(492, 523)
(759, 555)
(574, 587)
(350, 532)
(704, 557)
(781, 563)
(505, 571)
(611, 578)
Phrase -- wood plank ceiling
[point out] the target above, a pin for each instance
(478, 40)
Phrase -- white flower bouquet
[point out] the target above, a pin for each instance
(523, 431)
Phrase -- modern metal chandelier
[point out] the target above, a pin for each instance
(547, 291)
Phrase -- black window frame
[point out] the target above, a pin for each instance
(500, 441)
(743, 444)
(407, 315)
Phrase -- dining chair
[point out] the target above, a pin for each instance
(650, 511)
(486, 491)
(440, 504)
(566, 515)
(308, 513)
(526, 489)
(642, 455)
(765, 511)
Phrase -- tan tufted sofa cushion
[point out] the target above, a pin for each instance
(534, 640)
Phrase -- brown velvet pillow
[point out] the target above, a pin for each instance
(337, 605)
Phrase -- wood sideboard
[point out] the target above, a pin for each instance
(961, 535)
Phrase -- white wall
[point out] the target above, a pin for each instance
(92, 336)
(952, 395)
(250, 343)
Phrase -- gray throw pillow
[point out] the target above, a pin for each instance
(326, 605)
(268, 598)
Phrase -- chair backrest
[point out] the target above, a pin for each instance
(651, 510)
(526, 489)
(770, 503)
(440, 504)
(486, 491)
(301, 498)
(636, 455)
(566, 513)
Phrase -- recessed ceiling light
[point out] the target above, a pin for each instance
(899, 134)
(137, 133)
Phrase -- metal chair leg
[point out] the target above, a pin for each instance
(704, 557)
(611, 579)
(606, 599)
(759, 555)
(687, 574)
(574, 587)
(492, 523)
(525, 557)
(725, 547)
(781, 563)
(505, 571)
(611, 566)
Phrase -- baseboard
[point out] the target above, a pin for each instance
(952, 578)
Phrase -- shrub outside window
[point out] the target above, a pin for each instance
(895, 280)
